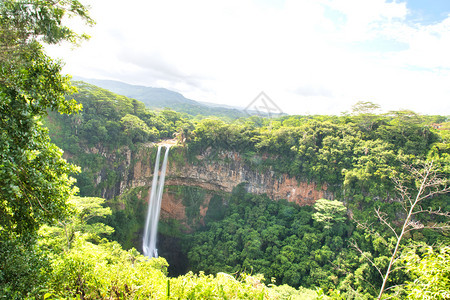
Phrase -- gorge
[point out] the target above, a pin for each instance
(194, 188)
(240, 196)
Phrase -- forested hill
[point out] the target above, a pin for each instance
(160, 98)
(112, 120)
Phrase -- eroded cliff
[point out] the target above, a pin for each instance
(218, 172)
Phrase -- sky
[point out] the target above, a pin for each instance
(307, 56)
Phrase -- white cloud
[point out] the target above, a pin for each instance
(308, 56)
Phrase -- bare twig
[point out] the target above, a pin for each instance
(354, 245)
(432, 212)
(382, 218)
(435, 227)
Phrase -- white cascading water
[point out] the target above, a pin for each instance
(154, 207)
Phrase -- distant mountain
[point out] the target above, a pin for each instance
(220, 105)
(159, 98)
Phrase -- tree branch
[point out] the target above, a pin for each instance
(443, 227)
(432, 212)
(383, 220)
(354, 245)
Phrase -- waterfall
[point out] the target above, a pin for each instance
(154, 207)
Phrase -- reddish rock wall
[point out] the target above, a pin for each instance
(222, 174)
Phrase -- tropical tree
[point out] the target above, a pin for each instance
(329, 212)
(82, 223)
(35, 178)
(365, 114)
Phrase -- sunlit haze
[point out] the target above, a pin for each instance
(308, 56)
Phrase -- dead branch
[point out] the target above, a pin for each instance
(430, 185)
(434, 227)
(432, 212)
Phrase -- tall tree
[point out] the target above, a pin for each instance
(365, 114)
(329, 212)
(35, 179)
(80, 224)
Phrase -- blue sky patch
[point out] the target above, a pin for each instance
(427, 12)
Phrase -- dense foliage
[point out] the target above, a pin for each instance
(298, 246)
(35, 179)
(327, 149)
(431, 269)
(356, 161)
(278, 239)
(72, 261)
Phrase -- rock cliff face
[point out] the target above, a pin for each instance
(222, 173)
